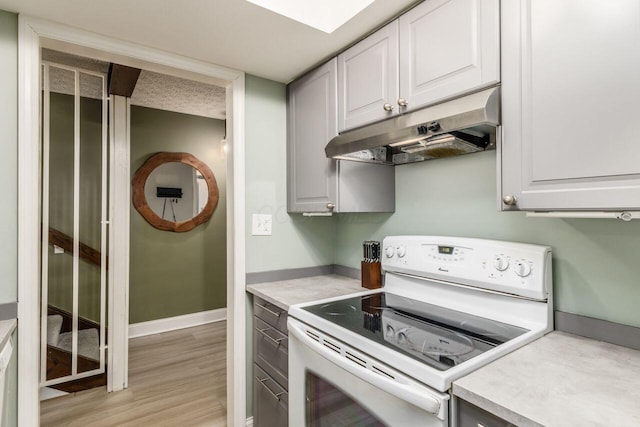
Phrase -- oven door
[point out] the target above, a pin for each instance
(332, 384)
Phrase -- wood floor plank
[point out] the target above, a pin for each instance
(176, 378)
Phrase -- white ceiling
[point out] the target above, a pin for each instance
(232, 33)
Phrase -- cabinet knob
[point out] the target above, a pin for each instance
(387, 107)
(402, 102)
(509, 200)
(331, 206)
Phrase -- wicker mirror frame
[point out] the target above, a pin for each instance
(140, 200)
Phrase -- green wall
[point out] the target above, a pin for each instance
(297, 241)
(9, 177)
(9, 158)
(172, 274)
(595, 261)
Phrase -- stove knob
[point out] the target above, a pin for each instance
(401, 251)
(401, 338)
(390, 331)
(500, 263)
(389, 251)
(522, 268)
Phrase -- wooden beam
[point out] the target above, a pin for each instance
(122, 79)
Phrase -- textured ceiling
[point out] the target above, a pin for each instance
(152, 90)
(170, 93)
(232, 33)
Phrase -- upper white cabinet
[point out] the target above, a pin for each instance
(437, 50)
(571, 105)
(447, 48)
(368, 79)
(311, 115)
(316, 184)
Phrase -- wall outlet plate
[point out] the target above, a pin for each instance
(261, 225)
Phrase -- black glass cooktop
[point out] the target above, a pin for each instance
(437, 336)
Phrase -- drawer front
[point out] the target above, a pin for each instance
(270, 401)
(270, 313)
(471, 416)
(271, 351)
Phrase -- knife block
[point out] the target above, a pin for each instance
(371, 275)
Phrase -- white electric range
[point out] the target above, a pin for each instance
(387, 357)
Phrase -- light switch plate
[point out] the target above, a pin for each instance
(261, 225)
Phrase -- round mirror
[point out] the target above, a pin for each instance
(175, 191)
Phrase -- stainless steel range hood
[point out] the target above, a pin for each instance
(463, 125)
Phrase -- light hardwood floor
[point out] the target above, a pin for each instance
(175, 379)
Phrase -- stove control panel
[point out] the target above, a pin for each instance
(510, 267)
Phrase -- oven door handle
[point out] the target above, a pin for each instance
(408, 391)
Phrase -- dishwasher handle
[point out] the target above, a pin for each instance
(407, 390)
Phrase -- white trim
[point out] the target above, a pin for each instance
(178, 322)
(236, 270)
(104, 218)
(623, 215)
(94, 45)
(76, 376)
(118, 294)
(44, 246)
(76, 224)
(33, 32)
(28, 224)
(249, 422)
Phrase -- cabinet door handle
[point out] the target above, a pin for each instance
(402, 102)
(276, 341)
(331, 206)
(276, 395)
(275, 313)
(387, 107)
(510, 200)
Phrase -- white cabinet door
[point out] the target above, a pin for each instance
(312, 117)
(314, 182)
(447, 48)
(368, 79)
(571, 104)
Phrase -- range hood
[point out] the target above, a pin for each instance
(460, 126)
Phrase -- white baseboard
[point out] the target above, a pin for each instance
(249, 422)
(179, 322)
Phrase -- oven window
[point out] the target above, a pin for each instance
(327, 406)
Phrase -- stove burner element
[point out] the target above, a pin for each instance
(443, 346)
(336, 309)
(439, 337)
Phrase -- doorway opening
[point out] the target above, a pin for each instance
(36, 34)
(177, 267)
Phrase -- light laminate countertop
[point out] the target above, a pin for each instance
(559, 380)
(285, 293)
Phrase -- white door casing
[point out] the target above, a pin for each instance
(33, 34)
(119, 202)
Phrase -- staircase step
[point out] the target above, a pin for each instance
(88, 343)
(54, 324)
